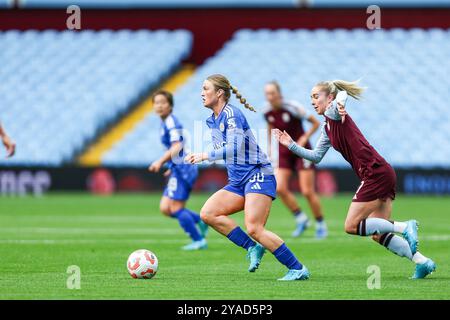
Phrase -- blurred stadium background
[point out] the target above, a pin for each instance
(77, 101)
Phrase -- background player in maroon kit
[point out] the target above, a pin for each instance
(288, 115)
(370, 210)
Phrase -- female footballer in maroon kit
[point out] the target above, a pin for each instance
(288, 116)
(370, 210)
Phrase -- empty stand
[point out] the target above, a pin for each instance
(58, 89)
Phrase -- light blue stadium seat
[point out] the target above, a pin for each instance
(4, 4)
(59, 89)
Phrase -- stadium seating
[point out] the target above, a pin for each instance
(404, 112)
(5, 4)
(58, 89)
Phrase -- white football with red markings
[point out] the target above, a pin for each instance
(142, 264)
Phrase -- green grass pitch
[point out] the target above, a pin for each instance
(41, 237)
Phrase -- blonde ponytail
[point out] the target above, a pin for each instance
(334, 86)
(241, 99)
(221, 82)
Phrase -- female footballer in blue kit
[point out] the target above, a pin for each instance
(251, 184)
(181, 176)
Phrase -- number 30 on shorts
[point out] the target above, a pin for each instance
(259, 177)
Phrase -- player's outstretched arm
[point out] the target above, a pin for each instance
(283, 137)
(315, 155)
(7, 142)
(234, 141)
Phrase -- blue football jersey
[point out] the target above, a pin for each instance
(235, 143)
(172, 131)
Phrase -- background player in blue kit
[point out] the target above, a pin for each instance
(181, 176)
(251, 184)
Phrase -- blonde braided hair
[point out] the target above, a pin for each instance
(221, 82)
(241, 99)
